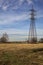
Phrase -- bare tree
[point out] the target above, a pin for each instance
(4, 38)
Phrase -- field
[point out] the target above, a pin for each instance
(21, 54)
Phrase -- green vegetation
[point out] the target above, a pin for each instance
(21, 57)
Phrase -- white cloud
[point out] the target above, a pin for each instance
(30, 2)
(15, 7)
(6, 3)
(40, 32)
(1, 3)
(10, 18)
(7, 19)
(4, 7)
(20, 2)
(18, 5)
(17, 34)
(14, 31)
(18, 38)
(39, 14)
(18, 31)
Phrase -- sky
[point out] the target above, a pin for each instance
(15, 18)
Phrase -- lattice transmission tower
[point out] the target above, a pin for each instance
(32, 29)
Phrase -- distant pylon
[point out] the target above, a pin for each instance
(32, 29)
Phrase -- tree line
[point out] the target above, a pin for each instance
(5, 38)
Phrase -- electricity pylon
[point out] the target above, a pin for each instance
(32, 29)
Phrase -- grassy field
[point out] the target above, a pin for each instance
(21, 54)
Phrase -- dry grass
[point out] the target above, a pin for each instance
(21, 54)
(20, 46)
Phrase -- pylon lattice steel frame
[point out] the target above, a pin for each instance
(32, 30)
